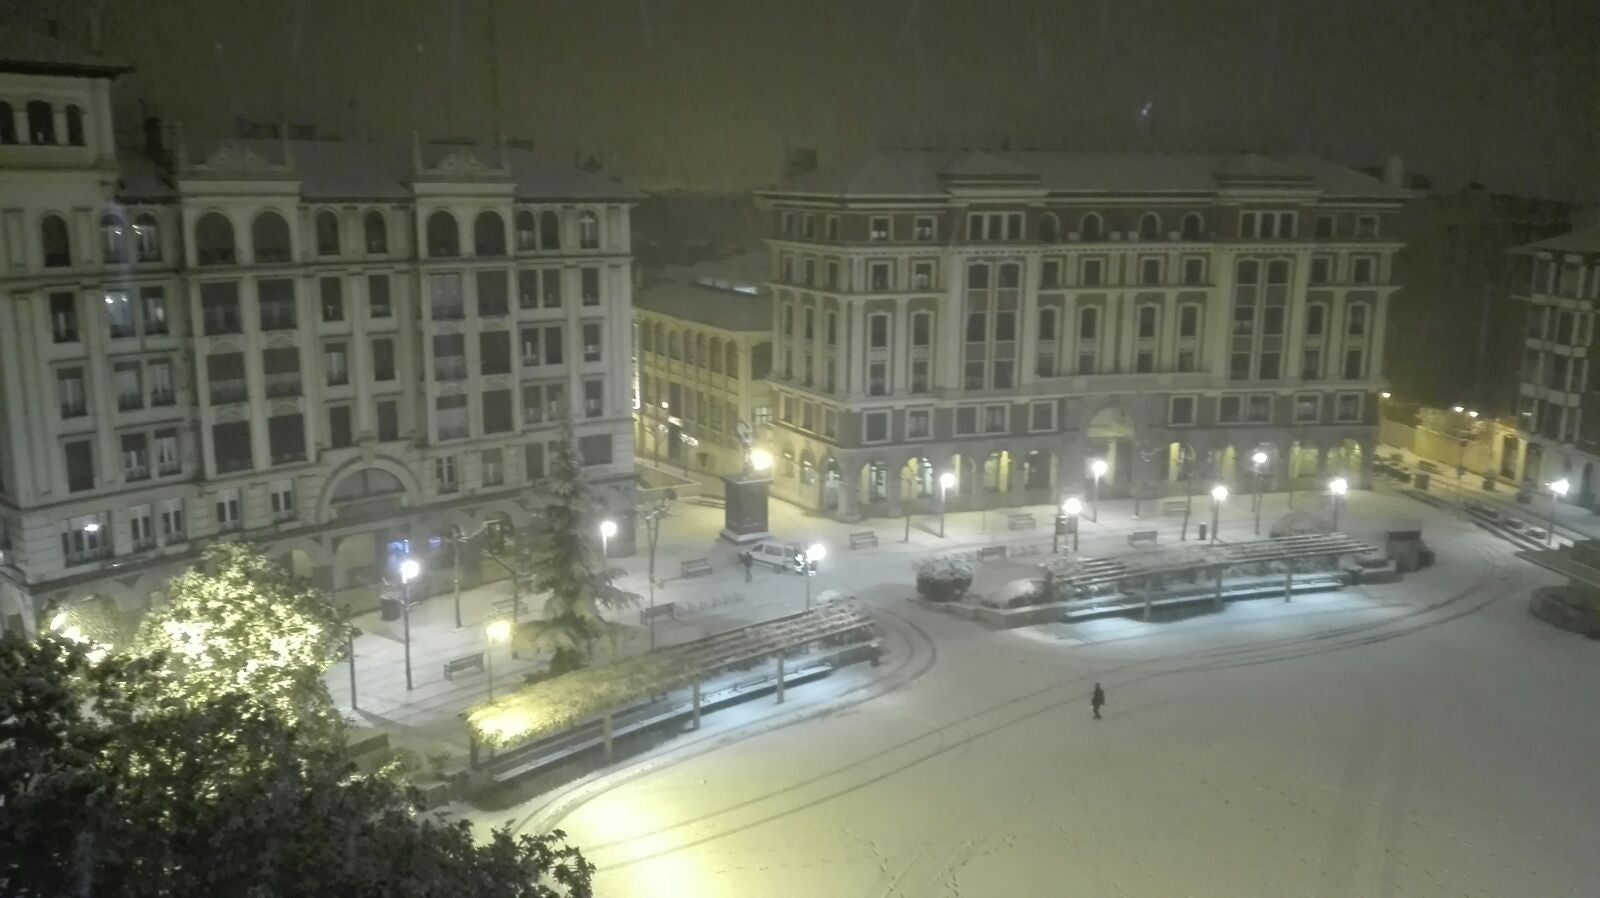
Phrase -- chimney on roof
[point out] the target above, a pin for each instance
(1394, 173)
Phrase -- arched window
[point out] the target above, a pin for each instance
(1049, 228)
(714, 355)
(41, 122)
(1149, 226)
(57, 246)
(549, 230)
(377, 232)
(1091, 228)
(8, 124)
(327, 233)
(269, 238)
(1089, 323)
(674, 346)
(527, 232)
(660, 339)
(147, 238)
(1193, 226)
(213, 239)
(444, 238)
(1147, 322)
(689, 355)
(588, 230)
(645, 334)
(700, 350)
(731, 363)
(489, 234)
(113, 239)
(75, 126)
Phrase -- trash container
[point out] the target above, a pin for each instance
(1422, 480)
(390, 609)
(1203, 532)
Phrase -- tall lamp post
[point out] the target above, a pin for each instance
(946, 481)
(608, 529)
(1260, 459)
(1098, 468)
(658, 509)
(1072, 508)
(1558, 491)
(497, 632)
(814, 553)
(1219, 494)
(409, 569)
(1337, 487)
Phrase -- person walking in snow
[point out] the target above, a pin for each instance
(749, 561)
(1097, 699)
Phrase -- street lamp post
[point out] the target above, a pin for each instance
(652, 530)
(1558, 491)
(608, 529)
(1260, 459)
(1098, 468)
(946, 481)
(814, 553)
(1337, 487)
(409, 569)
(497, 631)
(1072, 508)
(1219, 494)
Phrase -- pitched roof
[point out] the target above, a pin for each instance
(917, 173)
(1586, 240)
(31, 53)
(694, 294)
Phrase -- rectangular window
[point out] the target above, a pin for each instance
(492, 468)
(80, 465)
(1050, 273)
(388, 420)
(1239, 366)
(383, 360)
(1325, 227)
(877, 378)
(919, 424)
(64, 317)
(450, 417)
(119, 315)
(922, 275)
(875, 427)
(994, 418)
(1356, 320)
(1180, 410)
(336, 364)
(1042, 416)
(219, 309)
(332, 291)
(1307, 408)
(159, 375)
(85, 539)
(1194, 270)
(1188, 361)
(174, 524)
(280, 496)
(1316, 319)
(1366, 226)
(591, 341)
(286, 438)
(550, 288)
(1258, 409)
(1088, 323)
(166, 449)
(966, 420)
(378, 296)
(880, 275)
(1230, 410)
(593, 398)
(878, 331)
(831, 228)
(878, 228)
(1363, 269)
(340, 433)
(1354, 363)
(1093, 272)
(924, 229)
(1147, 319)
(1189, 322)
(141, 528)
(70, 395)
(533, 461)
(919, 375)
(445, 301)
(1150, 271)
(1347, 408)
(496, 409)
(590, 281)
(155, 311)
(595, 449)
(444, 474)
(226, 510)
(808, 226)
(135, 457)
(1311, 363)
(1321, 269)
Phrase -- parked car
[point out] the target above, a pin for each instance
(780, 555)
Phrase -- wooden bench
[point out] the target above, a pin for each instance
(660, 609)
(694, 567)
(1143, 537)
(1020, 520)
(711, 501)
(863, 539)
(507, 605)
(465, 662)
(989, 552)
(1173, 507)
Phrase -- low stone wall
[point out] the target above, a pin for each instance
(1552, 605)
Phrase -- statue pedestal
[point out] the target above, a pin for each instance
(745, 512)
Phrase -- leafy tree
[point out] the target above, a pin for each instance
(240, 623)
(566, 566)
(113, 786)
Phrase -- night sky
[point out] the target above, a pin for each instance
(706, 94)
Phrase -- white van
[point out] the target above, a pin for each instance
(775, 554)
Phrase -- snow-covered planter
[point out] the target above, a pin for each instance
(1016, 594)
(943, 578)
(1300, 523)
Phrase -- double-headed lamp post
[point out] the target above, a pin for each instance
(409, 569)
(814, 554)
(1219, 494)
(1098, 468)
(1072, 508)
(1558, 491)
(1260, 459)
(608, 529)
(1337, 487)
(497, 632)
(946, 481)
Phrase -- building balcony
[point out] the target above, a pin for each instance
(136, 473)
(144, 544)
(89, 555)
(454, 311)
(234, 464)
(278, 317)
(283, 515)
(221, 322)
(169, 469)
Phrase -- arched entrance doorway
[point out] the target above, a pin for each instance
(1109, 437)
(831, 483)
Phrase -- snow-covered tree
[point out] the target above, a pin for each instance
(566, 563)
(239, 623)
(944, 578)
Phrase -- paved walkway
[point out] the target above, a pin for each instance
(1572, 520)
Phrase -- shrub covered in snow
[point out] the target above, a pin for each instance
(1300, 523)
(943, 578)
(1016, 594)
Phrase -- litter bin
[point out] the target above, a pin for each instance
(1203, 532)
(389, 609)
(1422, 480)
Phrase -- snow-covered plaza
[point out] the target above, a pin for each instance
(1427, 737)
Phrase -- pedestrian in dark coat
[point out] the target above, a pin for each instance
(749, 561)
(1097, 699)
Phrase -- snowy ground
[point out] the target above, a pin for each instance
(1425, 738)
